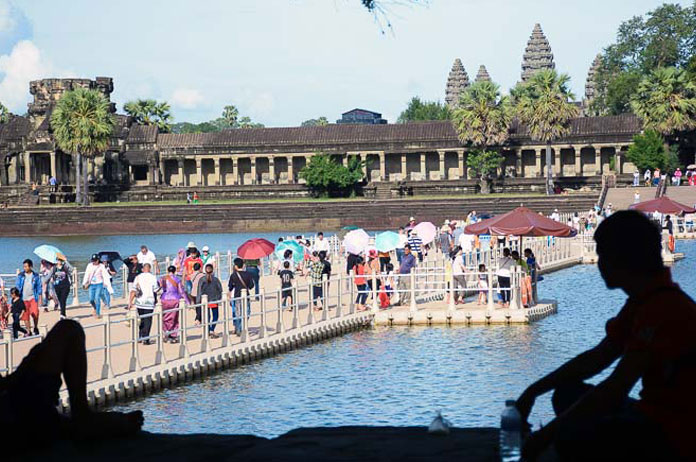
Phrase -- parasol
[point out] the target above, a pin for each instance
(49, 253)
(253, 249)
(663, 205)
(356, 241)
(426, 231)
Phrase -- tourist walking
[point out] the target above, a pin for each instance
(446, 238)
(253, 268)
(360, 283)
(408, 262)
(144, 298)
(134, 269)
(534, 269)
(29, 286)
(636, 178)
(211, 286)
(403, 240)
(94, 280)
(148, 256)
(458, 275)
(240, 282)
(647, 176)
(316, 274)
(482, 285)
(207, 256)
(61, 279)
(198, 275)
(678, 176)
(192, 259)
(286, 276)
(503, 273)
(17, 309)
(321, 245)
(108, 283)
(47, 291)
(172, 293)
(373, 269)
(415, 243)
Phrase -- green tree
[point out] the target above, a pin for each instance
(649, 151)
(482, 119)
(544, 104)
(4, 113)
(424, 110)
(666, 101)
(663, 37)
(230, 114)
(82, 125)
(246, 122)
(320, 122)
(150, 112)
(326, 177)
(617, 97)
(483, 164)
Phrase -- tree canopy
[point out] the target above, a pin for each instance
(320, 122)
(4, 113)
(424, 110)
(648, 151)
(664, 37)
(228, 120)
(327, 177)
(150, 112)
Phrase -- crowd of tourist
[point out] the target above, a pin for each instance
(675, 178)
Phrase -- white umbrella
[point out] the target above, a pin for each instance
(356, 241)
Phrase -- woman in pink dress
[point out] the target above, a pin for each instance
(172, 293)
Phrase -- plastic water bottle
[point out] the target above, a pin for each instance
(510, 433)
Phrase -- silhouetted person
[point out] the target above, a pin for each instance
(654, 339)
(29, 396)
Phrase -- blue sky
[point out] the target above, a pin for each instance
(285, 61)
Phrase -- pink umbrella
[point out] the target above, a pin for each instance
(356, 241)
(426, 231)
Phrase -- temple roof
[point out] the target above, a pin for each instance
(482, 74)
(537, 55)
(15, 129)
(142, 134)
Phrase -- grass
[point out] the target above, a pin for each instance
(298, 200)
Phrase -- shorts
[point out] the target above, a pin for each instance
(286, 293)
(32, 309)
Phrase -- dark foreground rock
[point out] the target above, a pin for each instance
(304, 444)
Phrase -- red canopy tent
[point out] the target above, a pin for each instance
(663, 205)
(521, 222)
(253, 249)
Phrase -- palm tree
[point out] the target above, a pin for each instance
(482, 119)
(666, 101)
(150, 112)
(4, 114)
(544, 104)
(230, 114)
(82, 124)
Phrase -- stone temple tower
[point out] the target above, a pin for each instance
(482, 75)
(591, 83)
(457, 81)
(537, 55)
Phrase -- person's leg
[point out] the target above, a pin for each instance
(99, 288)
(235, 318)
(92, 295)
(62, 293)
(213, 319)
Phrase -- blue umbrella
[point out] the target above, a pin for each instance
(49, 253)
(387, 241)
(296, 248)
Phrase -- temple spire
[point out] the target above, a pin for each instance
(457, 81)
(537, 55)
(482, 75)
(591, 82)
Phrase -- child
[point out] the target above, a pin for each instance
(482, 285)
(286, 277)
(17, 309)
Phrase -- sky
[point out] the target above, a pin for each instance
(285, 61)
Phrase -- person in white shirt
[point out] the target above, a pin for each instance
(96, 280)
(503, 273)
(466, 242)
(143, 296)
(555, 215)
(459, 276)
(147, 256)
(403, 240)
(636, 197)
(321, 244)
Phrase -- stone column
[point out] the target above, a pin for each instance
(218, 179)
(404, 170)
(461, 166)
(443, 173)
(27, 167)
(199, 171)
(578, 161)
(54, 169)
(253, 170)
(519, 167)
(235, 171)
(423, 166)
(271, 170)
(537, 158)
(180, 175)
(162, 173)
(598, 160)
(382, 167)
(557, 161)
(619, 159)
(344, 160)
(154, 174)
(363, 159)
(291, 173)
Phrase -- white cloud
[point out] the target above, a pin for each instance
(186, 98)
(7, 17)
(24, 63)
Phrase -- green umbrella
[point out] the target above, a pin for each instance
(297, 249)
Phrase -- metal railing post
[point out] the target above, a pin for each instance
(218, 268)
(134, 363)
(76, 287)
(262, 328)
(107, 372)
(375, 305)
(351, 282)
(310, 304)
(280, 328)
(225, 306)
(157, 316)
(339, 301)
(489, 302)
(295, 308)
(205, 346)
(9, 351)
(124, 276)
(412, 276)
(452, 293)
(245, 320)
(183, 330)
(325, 299)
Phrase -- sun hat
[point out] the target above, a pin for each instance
(104, 258)
(411, 219)
(205, 248)
(95, 257)
(190, 245)
(372, 253)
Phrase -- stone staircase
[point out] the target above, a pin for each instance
(383, 191)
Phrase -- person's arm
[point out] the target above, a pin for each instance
(85, 278)
(583, 366)
(604, 398)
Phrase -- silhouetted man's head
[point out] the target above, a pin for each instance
(628, 245)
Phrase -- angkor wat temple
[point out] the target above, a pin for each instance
(266, 161)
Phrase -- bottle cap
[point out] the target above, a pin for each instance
(510, 402)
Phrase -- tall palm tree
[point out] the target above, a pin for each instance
(150, 112)
(82, 124)
(482, 119)
(230, 114)
(545, 105)
(666, 101)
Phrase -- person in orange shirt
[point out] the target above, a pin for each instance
(189, 261)
(653, 338)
